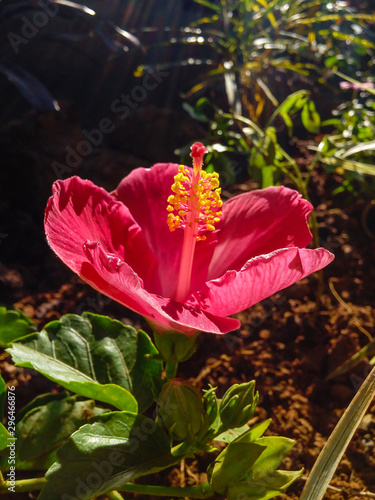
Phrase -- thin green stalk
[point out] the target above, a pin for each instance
(170, 369)
(300, 182)
(204, 490)
(114, 495)
(23, 485)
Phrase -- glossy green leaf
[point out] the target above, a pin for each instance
(14, 325)
(47, 426)
(245, 433)
(232, 434)
(277, 447)
(102, 456)
(105, 350)
(263, 481)
(72, 379)
(233, 463)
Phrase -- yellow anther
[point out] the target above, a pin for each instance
(200, 200)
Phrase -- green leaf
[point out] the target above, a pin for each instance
(46, 427)
(72, 379)
(359, 148)
(263, 481)
(14, 325)
(100, 457)
(245, 433)
(310, 117)
(233, 463)
(105, 350)
(267, 176)
(232, 434)
(208, 4)
(293, 103)
(5, 437)
(277, 447)
(352, 166)
(42, 399)
(3, 394)
(268, 487)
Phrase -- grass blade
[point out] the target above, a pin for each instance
(330, 456)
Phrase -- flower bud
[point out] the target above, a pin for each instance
(210, 404)
(238, 405)
(181, 411)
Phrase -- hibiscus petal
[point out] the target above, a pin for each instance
(80, 214)
(145, 193)
(118, 281)
(258, 223)
(259, 278)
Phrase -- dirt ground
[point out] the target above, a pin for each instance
(289, 343)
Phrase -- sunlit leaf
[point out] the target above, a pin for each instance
(353, 166)
(310, 117)
(359, 148)
(46, 427)
(117, 448)
(71, 378)
(104, 350)
(14, 325)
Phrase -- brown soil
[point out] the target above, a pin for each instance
(289, 343)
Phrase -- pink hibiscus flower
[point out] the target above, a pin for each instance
(165, 246)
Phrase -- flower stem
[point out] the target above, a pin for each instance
(204, 490)
(170, 369)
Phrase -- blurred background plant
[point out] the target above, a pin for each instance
(263, 50)
(349, 147)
